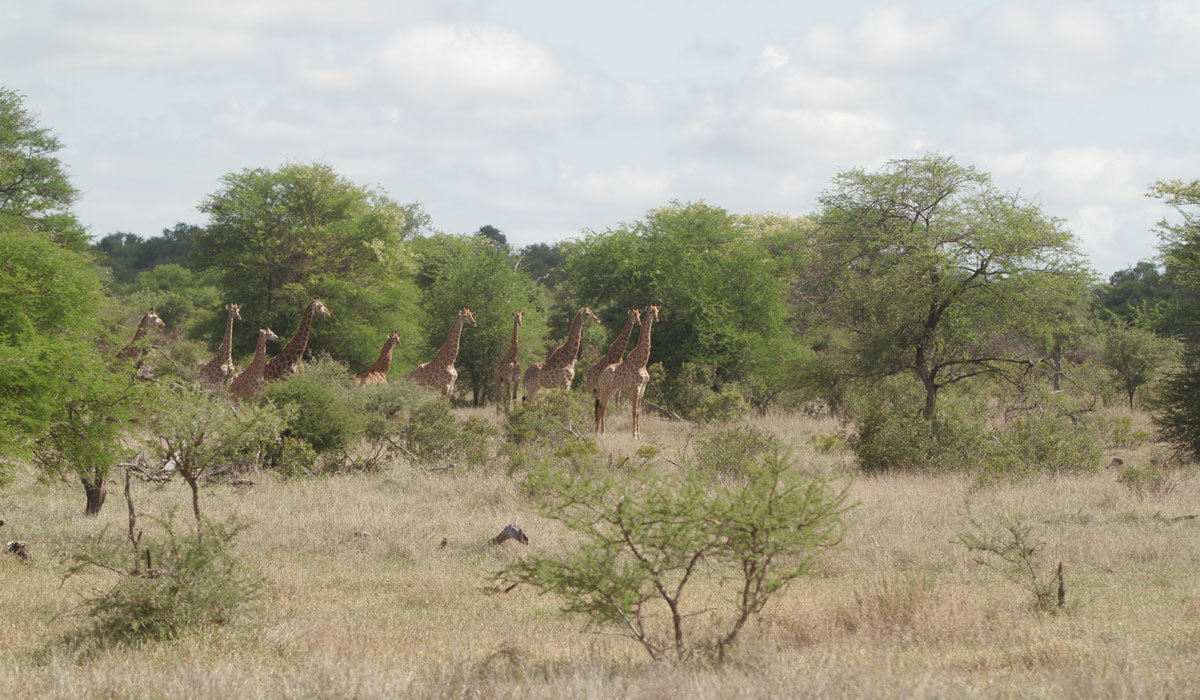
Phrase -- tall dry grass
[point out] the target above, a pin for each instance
(364, 601)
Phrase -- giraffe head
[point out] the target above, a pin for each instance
(636, 315)
(518, 316)
(467, 316)
(588, 315)
(318, 307)
(652, 313)
(152, 317)
(268, 334)
(393, 338)
(234, 309)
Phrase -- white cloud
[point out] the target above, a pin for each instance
(883, 38)
(629, 186)
(1093, 174)
(455, 60)
(1094, 224)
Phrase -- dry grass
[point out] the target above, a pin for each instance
(898, 610)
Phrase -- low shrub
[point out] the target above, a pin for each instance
(892, 434)
(172, 584)
(1160, 478)
(730, 453)
(325, 414)
(721, 409)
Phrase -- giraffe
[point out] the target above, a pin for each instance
(249, 384)
(378, 372)
(220, 369)
(628, 375)
(508, 370)
(288, 360)
(132, 351)
(439, 373)
(557, 370)
(615, 352)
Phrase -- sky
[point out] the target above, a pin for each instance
(549, 118)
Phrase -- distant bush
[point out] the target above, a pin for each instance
(434, 436)
(552, 416)
(1042, 445)
(721, 409)
(167, 586)
(1177, 410)
(1161, 477)
(324, 414)
(731, 453)
(893, 435)
(1117, 431)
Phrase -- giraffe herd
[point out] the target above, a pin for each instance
(607, 378)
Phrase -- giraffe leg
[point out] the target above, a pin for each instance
(636, 400)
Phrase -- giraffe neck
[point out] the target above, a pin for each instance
(260, 355)
(142, 329)
(225, 351)
(641, 352)
(617, 349)
(449, 350)
(295, 347)
(566, 352)
(513, 349)
(384, 363)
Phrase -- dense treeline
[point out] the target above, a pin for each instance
(923, 271)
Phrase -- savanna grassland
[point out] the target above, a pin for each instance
(361, 598)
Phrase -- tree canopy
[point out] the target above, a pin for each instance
(278, 238)
(714, 279)
(929, 269)
(34, 190)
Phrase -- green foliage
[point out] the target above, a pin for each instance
(1010, 547)
(645, 535)
(542, 263)
(730, 452)
(474, 271)
(1136, 356)
(319, 399)
(1117, 432)
(930, 270)
(708, 269)
(166, 586)
(129, 255)
(892, 435)
(435, 437)
(50, 300)
(82, 439)
(277, 238)
(1036, 445)
(553, 416)
(688, 387)
(180, 297)
(1162, 477)
(201, 433)
(721, 409)
(35, 194)
(1177, 411)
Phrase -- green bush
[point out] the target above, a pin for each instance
(1160, 478)
(689, 387)
(642, 536)
(434, 436)
(893, 435)
(1118, 432)
(1177, 410)
(721, 409)
(325, 414)
(1035, 445)
(167, 586)
(552, 416)
(731, 453)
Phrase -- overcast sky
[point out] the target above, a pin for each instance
(547, 117)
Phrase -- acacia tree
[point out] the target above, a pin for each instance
(35, 193)
(1136, 356)
(476, 271)
(278, 238)
(930, 269)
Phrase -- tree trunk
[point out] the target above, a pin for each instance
(94, 489)
(1057, 367)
